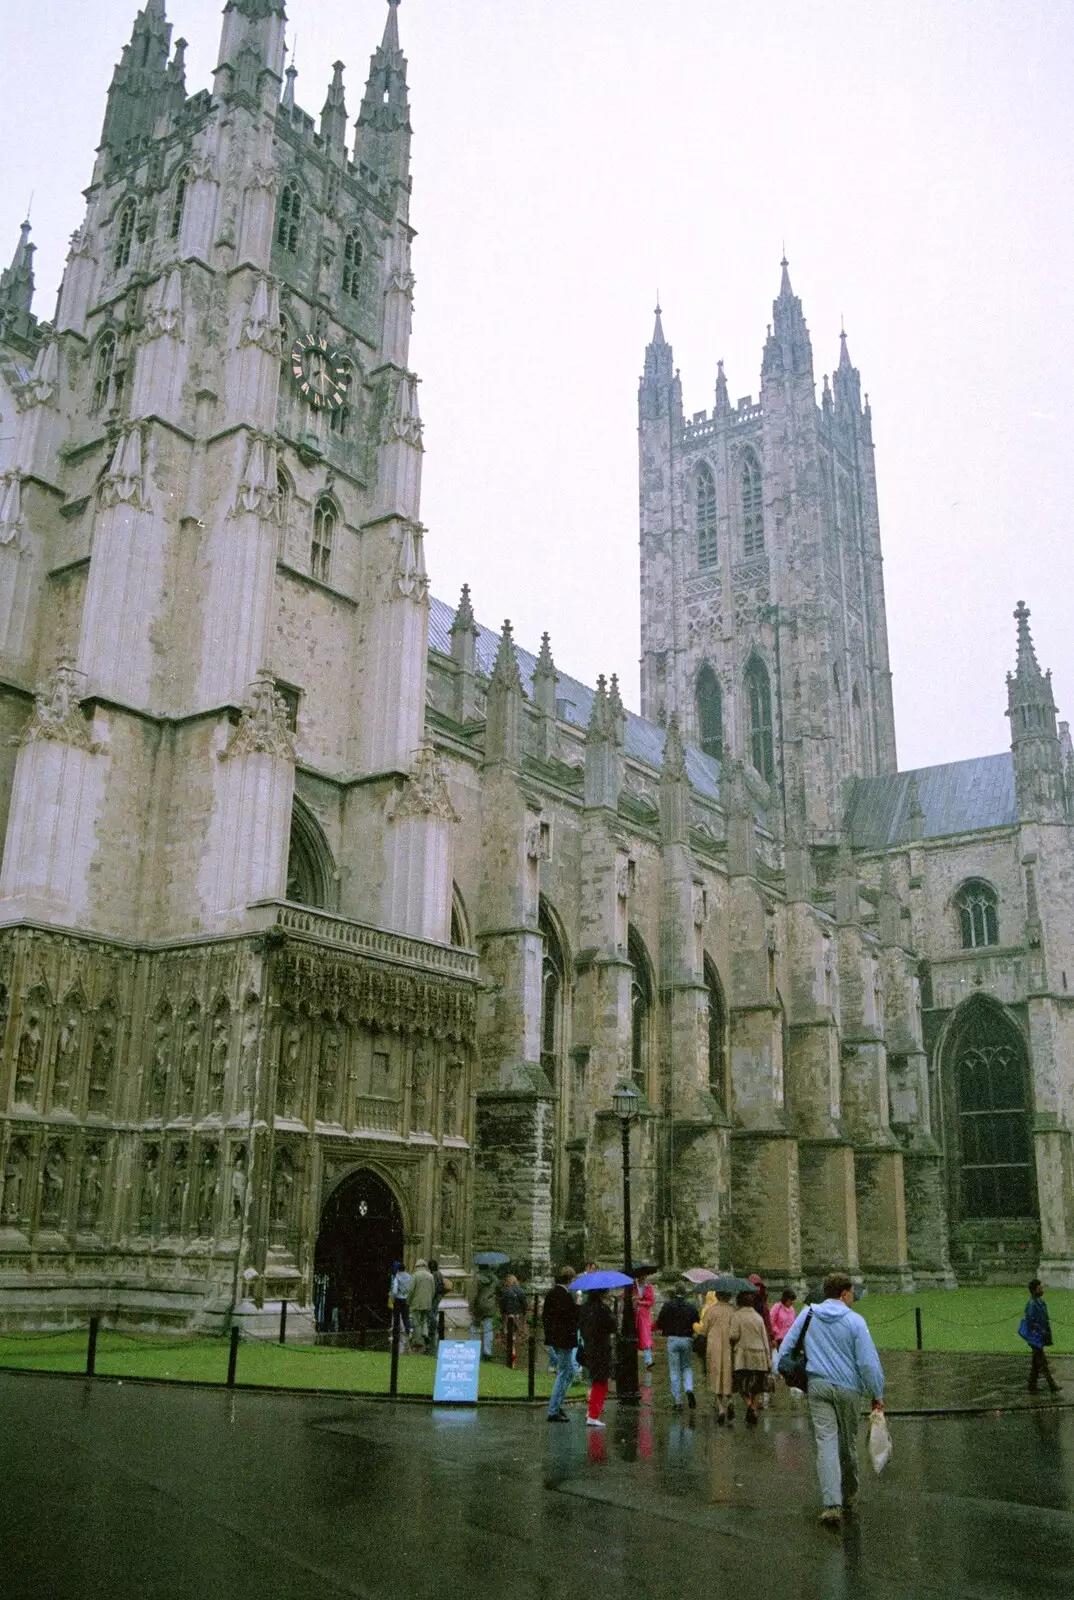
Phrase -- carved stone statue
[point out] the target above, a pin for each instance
(452, 1095)
(287, 1082)
(158, 1072)
(102, 1060)
(53, 1182)
(449, 1207)
(15, 1170)
(283, 1186)
(29, 1059)
(419, 1090)
(65, 1067)
(251, 1015)
(189, 1061)
(238, 1187)
(218, 1053)
(328, 1077)
(147, 1203)
(90, 1189)
(177, 1184)
(208, 1180)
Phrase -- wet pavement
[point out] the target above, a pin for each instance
(129, 1490)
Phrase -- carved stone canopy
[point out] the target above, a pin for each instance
(58, 711)
(425, 793)
(263, 728)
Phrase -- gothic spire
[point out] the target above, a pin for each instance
(250, 42)
(141, 87)
(391, 27)
(505, 673)
(844, 354)
(1027, 668)
(659, 383)
(674, 762)
(723, 400)
(545, 678)
(788, 351)
(464, 616)
(382, 132)
(334, 114)
(17, 281)
(658, 330)
(785, 290)
(1035, 745)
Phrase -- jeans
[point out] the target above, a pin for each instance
(1039, 1368)
(680, 1366)
(486, 1336)
(564, 1362)
(836, 1415)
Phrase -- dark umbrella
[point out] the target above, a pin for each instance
(490, 1258)
(602, 1279)
(729, 1285)
(643, 1269)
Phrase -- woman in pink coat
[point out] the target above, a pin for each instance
(781, 1316)
(644, 1300)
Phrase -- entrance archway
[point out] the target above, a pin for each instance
(361, 1235)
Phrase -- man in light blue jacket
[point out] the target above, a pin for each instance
(843, 1365)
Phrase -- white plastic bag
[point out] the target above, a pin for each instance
(879, 1440)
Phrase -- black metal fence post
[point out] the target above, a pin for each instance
(393, 1382)
(91, 1348)
(283, 1321)
(233, 1356)
(531, 1376)
(917, 1324)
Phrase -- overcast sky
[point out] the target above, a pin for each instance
(573, 156)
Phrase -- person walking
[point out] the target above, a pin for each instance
(440, 1288)
(1036, 1330)
(513, 1308)
(560, 1319)
(422, 1289)
(644, 1301)
(399, 1299)
(715, 1328)
(676, 1321)
(484, 1309)
(598, 1329)
(752, 1355)
(842, 1365)
(782, 1315)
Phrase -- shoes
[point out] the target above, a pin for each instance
(832, 1517)
(676, 1405)
(721, 1418)
(731, 1411)
(752, 1419)
(594, 1422)
(691, 1400)
(1055, 1388)
(558, 1416)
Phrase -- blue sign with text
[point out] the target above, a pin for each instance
(458, 1367)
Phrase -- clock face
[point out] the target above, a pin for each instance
(319, 371)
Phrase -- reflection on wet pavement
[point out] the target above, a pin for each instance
(129, 1490)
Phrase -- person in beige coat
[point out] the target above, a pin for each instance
(748, 1338)
(715, 1325)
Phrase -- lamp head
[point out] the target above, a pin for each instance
(625, 1101)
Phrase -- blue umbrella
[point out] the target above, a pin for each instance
(490, 1258)
(605, 1279)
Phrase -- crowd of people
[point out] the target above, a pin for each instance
(743, 1342)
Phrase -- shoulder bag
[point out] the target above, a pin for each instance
(792, 1364)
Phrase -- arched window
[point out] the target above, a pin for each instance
(705, 505)
(759, 702)
(352, 265)
(124, 235)
(752, 506)
(284, 491)
(553, 980)
(325, 517)
(710, 712)
(717, 1036)
(290, 213)
(103, 363)
(339, 417)
(285, 345)
(310, 868)
(460, 922)
(990, 1084)
(641, 1011)
(978, 913)
(182, 183)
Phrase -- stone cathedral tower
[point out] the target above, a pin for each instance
(212, 573)
(763, 620)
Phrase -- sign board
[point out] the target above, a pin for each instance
(458, 1366)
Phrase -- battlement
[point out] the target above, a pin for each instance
(702, 426)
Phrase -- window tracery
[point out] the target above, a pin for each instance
(752, 507)
(978, 913)
(705, 510)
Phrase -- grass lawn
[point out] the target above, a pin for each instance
(292, 1366)
(965, 1319)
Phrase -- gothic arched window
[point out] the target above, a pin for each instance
(710, 712)
(752, 506)
(310, 868)
(759, 702)
(290, 213)
(339, 417)
(124, 235)
(182, 183)
(284, 491)
(706, 516)
(103, 363)
(641, 1011)
(717, 1036)
(352, 265)
(978, 913)
(325, 517)
(990, 1085)
(553, 995)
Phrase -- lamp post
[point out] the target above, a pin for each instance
(625, 1105)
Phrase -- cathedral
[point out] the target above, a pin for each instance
(331, 920)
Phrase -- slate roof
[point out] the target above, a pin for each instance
(958, 797)
(644, 740)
